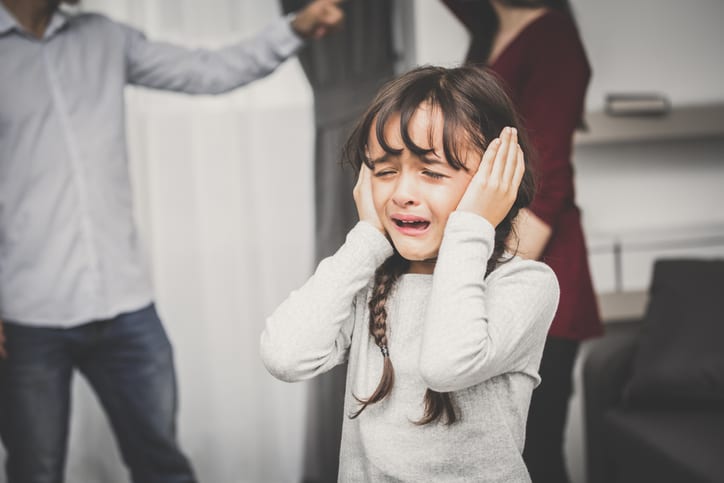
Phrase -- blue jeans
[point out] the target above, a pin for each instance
(128, 362)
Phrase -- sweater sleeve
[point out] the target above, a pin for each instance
(160, 65)
(477, 328)
(551, 104)
(311, 331)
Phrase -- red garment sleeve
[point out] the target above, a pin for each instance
(551, 104)
(468, 12)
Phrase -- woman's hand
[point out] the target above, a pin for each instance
(494, 187)
(363, 199)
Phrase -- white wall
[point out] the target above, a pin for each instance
(439, 38)
(647, 194)
(667, 46)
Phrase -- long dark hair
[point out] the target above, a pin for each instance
(486, 23)
(475, 109)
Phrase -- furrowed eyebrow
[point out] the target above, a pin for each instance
(385, 158)
(431, 159)
(428, 159)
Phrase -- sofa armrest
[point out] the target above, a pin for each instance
(606, 368)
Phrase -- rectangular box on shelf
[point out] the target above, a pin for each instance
(637, 104)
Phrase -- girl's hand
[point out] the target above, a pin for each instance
(494, 187)
(363, 199)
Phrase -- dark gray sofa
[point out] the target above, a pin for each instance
(654, 388)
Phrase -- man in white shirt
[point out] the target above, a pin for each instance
(74, 292)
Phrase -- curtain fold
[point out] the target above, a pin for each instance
(345, 70)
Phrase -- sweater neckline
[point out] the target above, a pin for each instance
(422, 276)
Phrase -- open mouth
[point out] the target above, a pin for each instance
(410, 224)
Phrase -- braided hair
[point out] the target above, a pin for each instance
(385, 278)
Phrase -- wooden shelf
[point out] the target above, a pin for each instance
(684, 122)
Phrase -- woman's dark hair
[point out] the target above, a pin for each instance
(486, 24)
(475, 109)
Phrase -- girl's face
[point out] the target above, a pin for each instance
(414, 194)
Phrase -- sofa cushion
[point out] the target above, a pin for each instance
(664, 446)
(679, 361)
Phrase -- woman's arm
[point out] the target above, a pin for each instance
(530, 236)
(310, 332)
(475, 328)
(551, 103)
(469, 12)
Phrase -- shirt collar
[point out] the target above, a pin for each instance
(8, 22)
(60, 18)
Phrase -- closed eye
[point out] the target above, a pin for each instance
(384, 172)
(433, 174)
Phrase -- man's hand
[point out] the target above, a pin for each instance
(3, 353)
(318, 19)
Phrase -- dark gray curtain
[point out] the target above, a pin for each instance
(345, 69)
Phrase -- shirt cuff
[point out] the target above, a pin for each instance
(284, 38)
(368, 241)
(468, 222)
(472, 236)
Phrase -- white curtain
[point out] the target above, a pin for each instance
(224, 203)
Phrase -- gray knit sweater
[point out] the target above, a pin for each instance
(454, 331)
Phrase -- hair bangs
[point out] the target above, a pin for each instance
(461, 128)
(383, 117)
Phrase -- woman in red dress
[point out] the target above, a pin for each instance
(534, 46)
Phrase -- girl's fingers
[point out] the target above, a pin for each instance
(364, 174)
(510, 165)
(359, 187)
(486, 164)
(511, 160)
(519, 169)
(502, 155)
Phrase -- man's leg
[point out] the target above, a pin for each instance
(132, 372)
(34, 403)
(543, 453)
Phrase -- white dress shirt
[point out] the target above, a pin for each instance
(69, 250)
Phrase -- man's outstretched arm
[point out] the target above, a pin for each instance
(161, 65)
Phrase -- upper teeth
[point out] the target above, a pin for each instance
(410, 221)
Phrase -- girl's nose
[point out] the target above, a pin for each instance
(405, 192)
